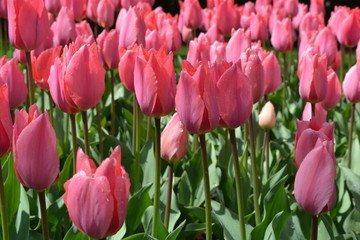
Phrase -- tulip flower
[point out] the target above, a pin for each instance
(272, 72)
(311, 22)
(217, 52)
(238, 43)
(313, 78)
(154, 82)
(77, 79)
(267, 116)
(258, 28)
(317, 6)
(36, 159)
(307, 135)
(28, 23)
(97, 198)
(320, 112)
(199, 50)
(314, 188)
(171, 34)
(78, 7)
(226, 17)
(195, 100)
(290, 7)
(131, 27)
(234, 94)
(41, 66)
(253, 69)
(63, 28)
(52, 6)
(108, 48)
(351, 85)
(153, 39)
(11, 75)
(84, 34)
(336, 18)
(247, 10)
(302, 10)
(191, 12)
(3, 9)
(282, 36)
(105, 13)
(348, 32)
(6, 127)
(327, 44)
(127, 66)
(333, 95)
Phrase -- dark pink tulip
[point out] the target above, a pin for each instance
(234, 93)
(351, 85)
(302, 10)
(311, 22)
(282, 36)
(314, 187)
(290, 7)
(349, 30)
(171, 34)
(77, 79)
(64, 28)
(3, 9)
(208, 18)
(6, 127)
(174, 140)
(153, 39)
(317, 6)
(333, 95)
(52, 6)
(11, 75)
(214, 35)
(217, 52)
(84, 33)
(260, 4)
(20, 56)
(307, 135)
(132, 28)
(108, 48)
(327, 44)
(3, 60)
(41, 66)
(313, 78)
(187, 34)
(127, 66)
(97, 198)
(91, 9)
(28, 23)
(105, 13)
(78, 7)
(226, 17)
(253, 69)
(276, 15)
(36, 159)
(336, 18)
(192, 13)
(320, 112)
(244, 12)
(238, 43)
(357, 57)
(199, 50)
(195, 100)
(154, 82)
(337, 63)
(258, 28)
(272, 72)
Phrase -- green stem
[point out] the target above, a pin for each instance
(342, 49)
(30, 78)
(86, 132)
(148, 130)
(4, 222)
(267, 134)
(239, 188)
(51, 110)
(284, 83)
(74, 140)
(44, 221)
(246, 143)
(314, 227)
(254, 172)
(101, 143)
(352, 120)
(134, 124)
(137, 140)
(157, 179)
(313, 110)
(226, 144)
(42, 95)
(168, 196)
(112, 130)
(350, 57)
(205, 168)
(195, 142)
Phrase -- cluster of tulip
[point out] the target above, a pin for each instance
(230, 67)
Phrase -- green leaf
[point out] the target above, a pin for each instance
(326, 220)
(147, 162)
(353, 183)
(140, 236)
(173, 235)
(138, 203)
(12, 190)
(66, 172)
(22, 223)
(75, 234)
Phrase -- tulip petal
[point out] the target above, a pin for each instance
(84, 163)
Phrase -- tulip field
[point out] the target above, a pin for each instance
(119, 120)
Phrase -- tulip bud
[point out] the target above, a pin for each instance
(36, 160)
(351, 85)
(97, 198)
(282, 36)
(320, 112)
(267, 116)
(272, 72)
(6, 127)
(132, 28)
(174, 140)
(108, 48)
(105, 13)
(333, 95)
(238, 43)
(64, 28)
(226, 17)
(78, 7)
(199, 50)
(191, 12)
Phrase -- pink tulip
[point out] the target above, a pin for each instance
(245, 11)
(171, 34)
(320, 112)
(302, 10)
(41, 66)
(52, 6)
(127, 66)
(336, 18)
(11, 75)
(3, 9)
(333, 95)
(238, 43)
(174, 140)
(195, 100)
(282, 36)
(78, 7)
(290, 7)
(153, 39)
(36, 160)
(327, 44)
(357, 58)
(260, 4)
(317, 6)
(132, 28)
(272, 72)
(154, 82)
(64, 28)
(105, 13)
(6, 127)
(108, 48)
(77, 79)
(84, 34)
(217, 52)
(191, 13)
(276, 15)
(314, 188)
(267, 116)
(214, 35)
(97, 198)
(91, 8)
(226, 17)
(28, 23)
(351, 85)
(258, 28)
(253, 69)
(349, 30)
(199, 50)
(313, 78)
(234, 94)
(3, 60)
(307, 135)
(311, 22)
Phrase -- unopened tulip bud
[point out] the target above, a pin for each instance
(267, 116)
